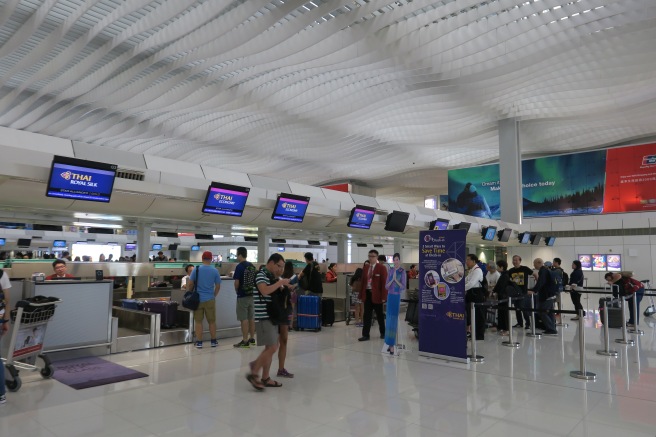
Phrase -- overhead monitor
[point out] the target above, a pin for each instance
(361, 217)
(438, 225)
(549, 241)
(225, 199)
(599, 262)
(314, 243)
(290, 208)
(524, 237)
(535, 239)
(24, 242)
(504, 235)
(586, 262)
(130, 246)
(59, 243)
(204, 237)
(195, 248)
(396, 221)
(614, 262)
(79, 179)
(167, 234)
(157, 247)
(2, 241)
(462, 225)
(489, 233)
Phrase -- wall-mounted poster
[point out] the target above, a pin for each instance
(586, 262)
(614, 262)
(631, 179)
(551, 186)
(599, 263)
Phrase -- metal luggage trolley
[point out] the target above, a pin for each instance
(30, 320)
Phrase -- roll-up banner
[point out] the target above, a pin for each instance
(442, 295)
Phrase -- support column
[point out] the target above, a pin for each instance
(510, 171)
(398, 247)
(143, 249)
(342, 249)
(263, 235)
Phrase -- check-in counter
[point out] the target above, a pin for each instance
(338, 292)
(84, 317)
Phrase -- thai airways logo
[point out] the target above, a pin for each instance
(218, 196)
(360, 216)
(649, 160)
(288, 205)
(78, 179)
(455, 316)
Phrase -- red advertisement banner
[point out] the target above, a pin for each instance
(630, 179)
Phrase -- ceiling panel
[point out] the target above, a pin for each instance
(388, 94)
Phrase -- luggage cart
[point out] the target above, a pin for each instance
(30, 320)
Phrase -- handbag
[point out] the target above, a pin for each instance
(191, 299)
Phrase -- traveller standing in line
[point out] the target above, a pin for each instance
(545, 288)
(5, 285)
(245, 306)
(492, 277)
(474, 292)
(375, 294)
(310, 277)
(207, 281)
(500, 289)
(356, 300)
(519, 274)
(576, 282)
(395, 285)
(267, 282)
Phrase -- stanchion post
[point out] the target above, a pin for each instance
(636, 317)
(606, 352)
(624, 340)
(510, 342)
(582, 373)
(474, 357)
(533, 334)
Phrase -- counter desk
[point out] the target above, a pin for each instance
(84, 317)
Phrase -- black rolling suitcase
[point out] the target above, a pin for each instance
(614, 312)
(167, 310)
(327, 312)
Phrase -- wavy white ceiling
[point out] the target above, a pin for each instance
(388, 93)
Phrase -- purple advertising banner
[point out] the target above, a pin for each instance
(614, 262)
(586, 262)
(442, 295)
(598, 262)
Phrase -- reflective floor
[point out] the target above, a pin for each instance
(346, 388)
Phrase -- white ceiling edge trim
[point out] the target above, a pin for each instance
(31, 154)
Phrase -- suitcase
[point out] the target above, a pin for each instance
(132, 304)
(167, 310)
(614, 312)
(412, 313)
(327, 312)
(308, 316)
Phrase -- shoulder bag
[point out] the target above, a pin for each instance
(191, 299)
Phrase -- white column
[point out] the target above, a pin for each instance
(143, 241)
(510, 171)
(398, 247)
(342, 249)
(262, 245)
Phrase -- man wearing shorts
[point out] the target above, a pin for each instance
(268, 281)
(207, 281)
(245, 309)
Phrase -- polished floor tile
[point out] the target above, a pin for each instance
(343, 387)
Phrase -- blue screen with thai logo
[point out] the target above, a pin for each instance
(290, 208)
(59, 243)
(361, 217)
(79, 179)
(225, 199)
(2, 241)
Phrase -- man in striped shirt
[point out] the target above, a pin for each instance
(267, 281)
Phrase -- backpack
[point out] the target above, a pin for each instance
(552, 283)
(248, 286)
(557, 275)
(513, 290)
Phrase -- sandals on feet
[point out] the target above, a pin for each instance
(255, 382)
(271, 383)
